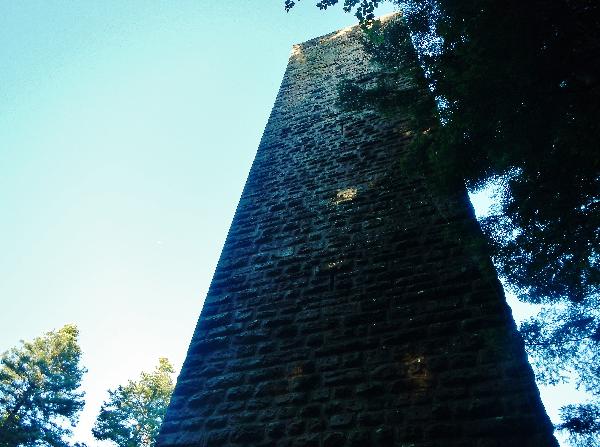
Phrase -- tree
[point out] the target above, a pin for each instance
(563, 342)
(583, 423)
(511, 90)
(133, 414)
(39, 395)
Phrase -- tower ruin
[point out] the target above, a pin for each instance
(346, 308)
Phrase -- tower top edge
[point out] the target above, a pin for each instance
(341, 32)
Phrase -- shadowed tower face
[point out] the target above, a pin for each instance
(347, 308)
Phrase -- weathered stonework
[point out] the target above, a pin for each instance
(346, 308)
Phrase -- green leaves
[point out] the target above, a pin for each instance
(364, 11)
(133, 413)
(582, 423)
(39, 394)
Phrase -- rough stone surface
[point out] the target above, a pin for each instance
(347, 308)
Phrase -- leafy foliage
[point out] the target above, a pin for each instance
(564, 345)
(517, 93)
(38, 390)
(582, 423)
(364, 8)
(564, 339)
(133, 413)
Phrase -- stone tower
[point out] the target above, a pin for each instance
(346, 308)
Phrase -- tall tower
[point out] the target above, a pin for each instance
(347, 308)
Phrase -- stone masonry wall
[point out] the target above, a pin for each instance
(347, 308)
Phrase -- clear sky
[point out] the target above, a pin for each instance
(127, 129)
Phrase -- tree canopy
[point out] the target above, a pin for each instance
(133, 413)
(511, 91)
(39, 397)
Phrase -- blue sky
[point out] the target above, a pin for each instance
(127, 130)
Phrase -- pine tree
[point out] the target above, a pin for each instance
(39, 390)
(133, 413)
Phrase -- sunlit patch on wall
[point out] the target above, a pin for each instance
(337, 35)
(345, 195)
(417, 371)
(297, 53)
